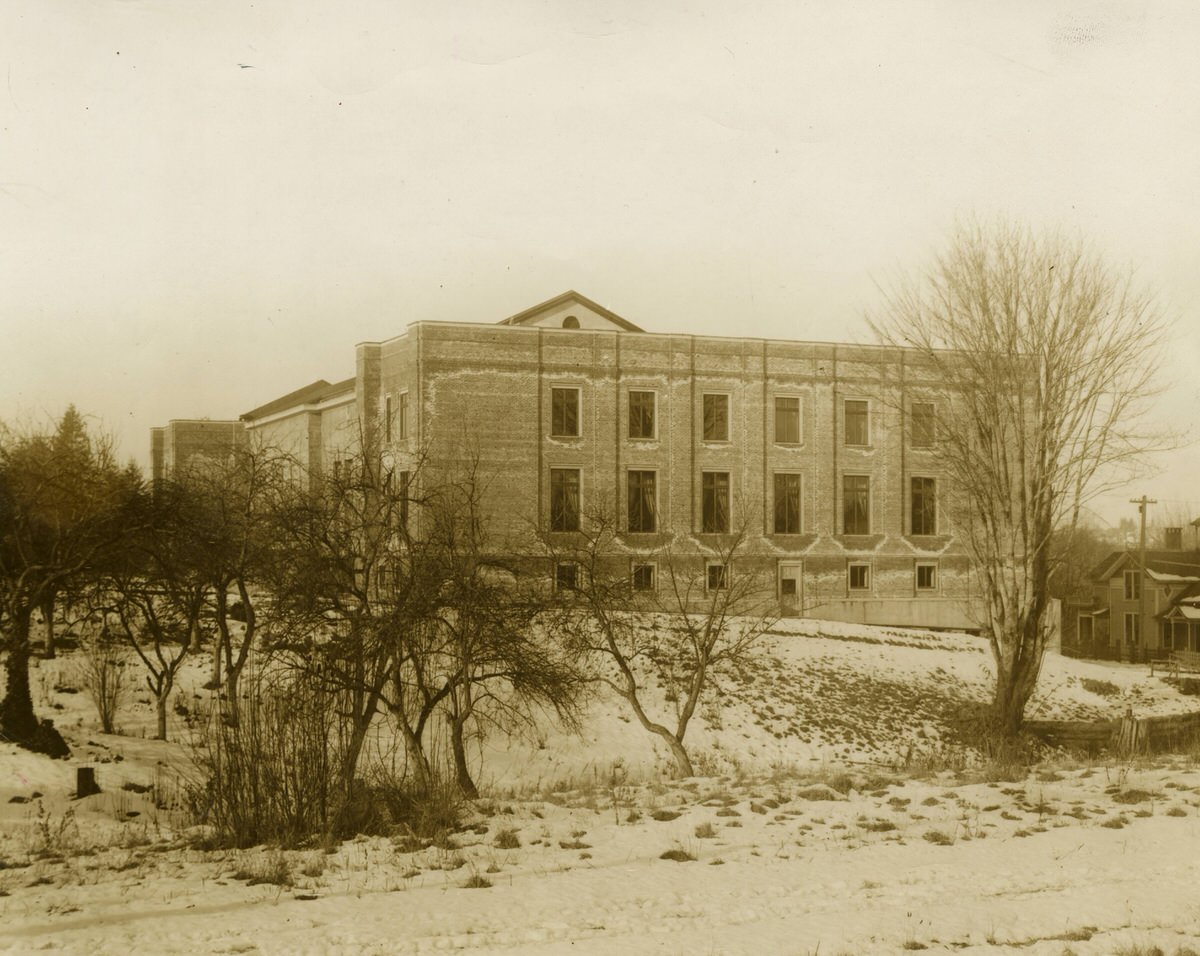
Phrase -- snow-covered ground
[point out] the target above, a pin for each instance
(804, 836)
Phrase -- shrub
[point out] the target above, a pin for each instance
(706, 831)
(101, 672)
(678, 856)
(1102, 688)
(429, 813)
(270, 868)
(274, 776)
(507, 839)
(1132, 796)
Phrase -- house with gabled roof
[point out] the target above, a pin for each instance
(1139, 610)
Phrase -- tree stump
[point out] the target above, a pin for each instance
(85, 782)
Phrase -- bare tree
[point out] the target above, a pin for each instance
(704, 608)
(499, 663)
(347, 587)
(235, 502)
(157, 600)
(1043, 361)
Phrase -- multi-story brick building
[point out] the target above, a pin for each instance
(182, 440)
(825, 454)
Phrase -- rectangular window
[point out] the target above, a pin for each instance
(856, 423)
(343, 471)
(1133, 629)
(924, 506)
(858, 577)
(566, 576)
(716, 577)
(926, 577)
(642, 501)
(564, 412)
(641, 414)
(564, 499)
(642, 576)
(716, 418)
(402, 417)
(387, 418)
(787, 504)
(715, 502)
(856, 504)
(923, 423)
(1083, 629)
(1133, 585)
(787, 421)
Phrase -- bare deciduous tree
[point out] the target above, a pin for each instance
(1044, 363)
(705, 610)
(157, 600)
(235, 502)
(498, 662)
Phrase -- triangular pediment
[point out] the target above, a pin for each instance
(571, 311)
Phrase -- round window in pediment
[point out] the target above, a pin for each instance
(570, 322)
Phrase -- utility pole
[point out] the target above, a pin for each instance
(1141, 503)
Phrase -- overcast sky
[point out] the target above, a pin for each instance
(205, 205)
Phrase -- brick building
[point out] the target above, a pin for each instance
(181, 440)
(825, 453)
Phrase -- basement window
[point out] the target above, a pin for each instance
(642, 577)
(859, 577)
(926, 577)
(566, 576)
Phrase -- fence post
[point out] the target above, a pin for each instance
(1133, 735)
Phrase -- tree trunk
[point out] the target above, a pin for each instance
(18, 722)
(215, 680)
(47, 609)
(232, 705)
(160, 705)
(1016, 677)
(683, 763)
(414, 751)
(364, 709)
(462, 775)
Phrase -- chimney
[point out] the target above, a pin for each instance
(1173, 539)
